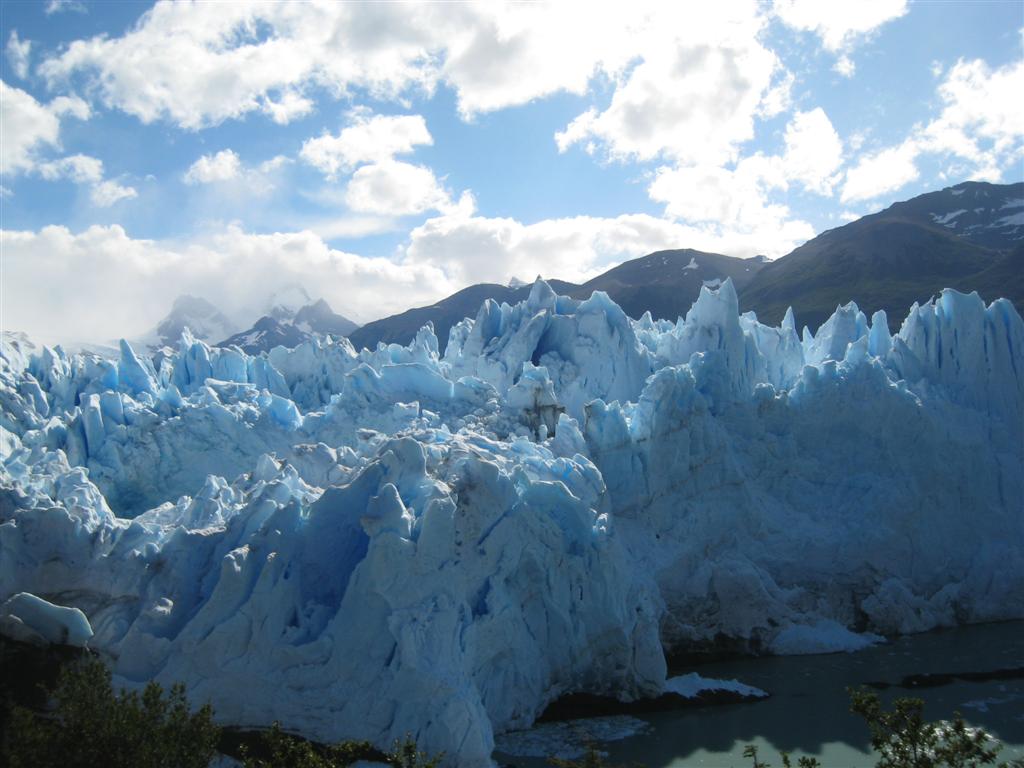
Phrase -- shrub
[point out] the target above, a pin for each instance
(904, 739)
(92, 725)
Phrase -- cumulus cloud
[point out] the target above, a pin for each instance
(840, 26)
(135, 281)
(208, 169)
(882, 172)
(198, 64)
(86, 170)
(289, 106)
(472, 249)
(982, 118)
(981, 127)
(393, 188)
(729, 210)
(813, 152)
(18, 52)
(369, 139)
(28, 125)
(695, 95)
(106, 193)
(80, 169)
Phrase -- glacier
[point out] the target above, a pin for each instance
(369, 543)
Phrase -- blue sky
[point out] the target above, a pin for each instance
(385, 155)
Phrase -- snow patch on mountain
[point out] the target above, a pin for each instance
(947, 219)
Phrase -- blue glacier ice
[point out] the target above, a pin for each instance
(365, 543)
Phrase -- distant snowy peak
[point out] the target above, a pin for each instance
(290, 329)
(320, 318)
(201, 317)
(515, 282)
(285, 302)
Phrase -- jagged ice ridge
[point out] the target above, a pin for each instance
(369, 543)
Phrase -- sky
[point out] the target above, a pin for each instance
(384, 155)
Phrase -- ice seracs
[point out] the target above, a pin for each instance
(374, 542)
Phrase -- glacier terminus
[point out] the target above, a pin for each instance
(442, 540)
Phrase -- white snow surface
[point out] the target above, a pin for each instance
(362, 544)
(947, 219)
(27, 617)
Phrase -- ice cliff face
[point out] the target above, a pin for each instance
(364, 544)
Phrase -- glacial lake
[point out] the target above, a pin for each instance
(808, 712)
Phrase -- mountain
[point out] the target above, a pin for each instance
(402, 328)
(284, 328)
(202, 318)
(286, 301)
(665, 283)
(320, 318)
(967, 237)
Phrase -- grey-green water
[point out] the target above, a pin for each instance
(808, 712)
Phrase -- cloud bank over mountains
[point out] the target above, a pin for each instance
(711, 114)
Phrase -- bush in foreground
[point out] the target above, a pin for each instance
(92, 725)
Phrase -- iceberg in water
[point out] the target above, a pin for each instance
(365, 543)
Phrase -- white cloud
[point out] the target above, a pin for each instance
(135, 281)
(30, 126)
(839, 25)
(208, 169)
(980, 128)
(880, 173)
(844, 66)
(60, 6)
(290, 106)
(106, 193)
(983, 113)
(694, 96)
(369, 139)
(198, 64)
(80, 169)
(393, 188)
(472, 249)
(18, 52)
(730, 211)
(813, 152)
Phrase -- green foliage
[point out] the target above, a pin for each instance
(283, 750)
(904, 739)
(404, 754)
(92, 725)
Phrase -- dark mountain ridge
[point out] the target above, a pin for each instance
(908, 252)
(284, 329)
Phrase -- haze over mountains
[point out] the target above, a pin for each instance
(969, 237)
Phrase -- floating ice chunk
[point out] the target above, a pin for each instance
(692, 685)
(825, 636)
